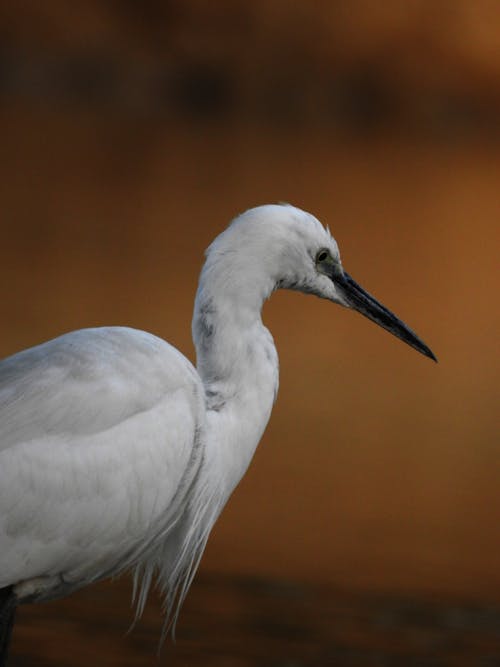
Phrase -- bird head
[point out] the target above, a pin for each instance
(280, 246)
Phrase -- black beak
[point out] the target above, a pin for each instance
(356, 298)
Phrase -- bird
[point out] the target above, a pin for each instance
(117, 454)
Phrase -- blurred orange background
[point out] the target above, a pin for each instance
(131, 136)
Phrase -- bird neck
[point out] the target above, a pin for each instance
(238, 364)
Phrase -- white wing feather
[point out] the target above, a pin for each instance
(98, 433)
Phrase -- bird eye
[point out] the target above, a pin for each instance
(322, 256)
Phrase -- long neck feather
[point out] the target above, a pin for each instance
(237, 362)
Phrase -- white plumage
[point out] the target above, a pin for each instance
(117, 454)
(99, 437)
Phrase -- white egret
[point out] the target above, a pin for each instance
(117, 454)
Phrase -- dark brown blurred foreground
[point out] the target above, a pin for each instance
(244, 622)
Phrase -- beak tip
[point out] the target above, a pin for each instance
(429, 353)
